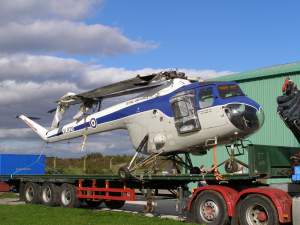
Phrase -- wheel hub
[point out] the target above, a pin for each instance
(209, 211)
(262, 217)
(66, 197)
(29, 194)
(47, 194)
(257, 215)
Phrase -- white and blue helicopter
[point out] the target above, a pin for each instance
(172, 115)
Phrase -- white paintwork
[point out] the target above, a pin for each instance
(41, 131)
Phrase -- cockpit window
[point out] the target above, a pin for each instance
(229, 90)
(206, 97)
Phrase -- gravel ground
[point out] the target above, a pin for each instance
(11, 201)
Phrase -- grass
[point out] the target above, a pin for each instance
(43, 215)
(8, 195)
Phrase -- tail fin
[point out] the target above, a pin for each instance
(41, 131)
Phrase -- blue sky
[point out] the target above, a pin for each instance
(51, 47)
(221, 35)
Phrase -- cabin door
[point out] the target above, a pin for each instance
(185, 113)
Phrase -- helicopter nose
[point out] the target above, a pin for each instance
(245, 117)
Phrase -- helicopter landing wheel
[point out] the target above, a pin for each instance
(124, 173)
(231, 166)
(195, 170)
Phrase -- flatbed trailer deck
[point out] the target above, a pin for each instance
(134, 182)
(240, 198)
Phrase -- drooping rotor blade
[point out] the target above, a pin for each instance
(130, 86)
(34, 118)
(52, 110)
(31, 117)
(102, 93)
(120, 87)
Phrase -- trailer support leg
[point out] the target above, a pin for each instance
(182, 199)
(149, 207)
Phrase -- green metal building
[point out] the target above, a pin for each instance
(263, 85)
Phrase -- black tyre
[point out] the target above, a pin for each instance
(50, 194)
(258, 210)
(124, 173)
(93, 204)
(31, 193)
(68, 197)
(195, 170)
(210, 208)
(231, 167)
(114, 204)
(21, 191)
(235, 220)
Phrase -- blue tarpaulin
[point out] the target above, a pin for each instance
(22, 164)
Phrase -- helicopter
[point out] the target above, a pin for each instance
(171, 114)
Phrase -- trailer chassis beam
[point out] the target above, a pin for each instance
(105, 193)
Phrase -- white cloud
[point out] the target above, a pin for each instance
(57, 26)
(13, 92)
(107, 75)
(23, 140)
(28, 10)
(16, 133)
(39, 68)
(66, 37)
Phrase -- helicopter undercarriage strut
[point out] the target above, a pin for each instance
(150, 162)
(231, 164)
(126, 171)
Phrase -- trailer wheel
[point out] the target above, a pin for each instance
(50, 194)
(93, 204)
(21, 191)
(68, 197)
(210, 208)
(32, 193)
(114, 204)
(258, 210)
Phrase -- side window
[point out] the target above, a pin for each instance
(180, 109)
(206, 97)
(229, 90)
